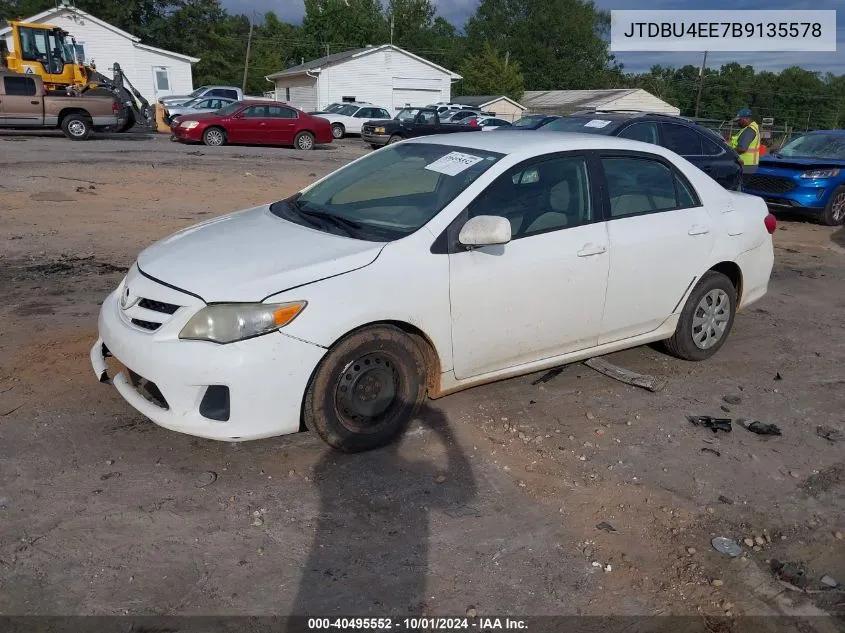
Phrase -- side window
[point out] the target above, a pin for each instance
(229, 94)
(216, 92)
(710, 148)
(255, 112)
(19, 86)
(539, 196)
(640, 185)
(645, 132)
(382, 114)
(205, 104)
(426, 118)
(363, 113)
(79, 48)
(682, 140)
(278, 112)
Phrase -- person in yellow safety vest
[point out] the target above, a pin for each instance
(746, 142)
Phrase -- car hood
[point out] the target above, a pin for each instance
(250, 255)
(176, 99)
(800, 164)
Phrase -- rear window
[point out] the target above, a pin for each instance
(584, 125)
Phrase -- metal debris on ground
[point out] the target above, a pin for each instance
(645, 381)
(791, 573)
(760, 428)
(711, 450)
(829, 433)
(726, 500)
(708, 422)
(552, 373)
(726, 546)
(778, 376)
(206, 479)
(829, 581)
(606, 527)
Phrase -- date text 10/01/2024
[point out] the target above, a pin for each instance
(424, 624)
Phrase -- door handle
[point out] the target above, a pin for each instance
(589, 250)
(698, 230)
(35, 102)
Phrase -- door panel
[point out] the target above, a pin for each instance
(20, 105)
(657, 250)
(250, 127)
(282, 122)
(542, 294)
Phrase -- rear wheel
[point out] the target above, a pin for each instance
(834, 212)
(394, 139)
(338, 131)
(214, 136)
(366, 389)
(706, 320)
(77, 127)
(304, 141)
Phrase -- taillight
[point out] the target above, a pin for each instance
(115, 108)
(771, 224)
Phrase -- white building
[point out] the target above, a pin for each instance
(154, 72)
(569, 101)
(385, 76)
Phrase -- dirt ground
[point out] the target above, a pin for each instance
(490, 503)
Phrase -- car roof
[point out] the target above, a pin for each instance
(539, 142)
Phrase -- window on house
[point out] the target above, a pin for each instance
(287, 94)
(348, 99)
(162, 79)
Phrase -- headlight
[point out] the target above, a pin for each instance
(189, 125)
(230, 322)
(815, 174)
(379, 130)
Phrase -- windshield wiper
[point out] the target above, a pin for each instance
(336, 220)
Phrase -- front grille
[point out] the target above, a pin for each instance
(149, 390)
(158, 306)
(767, 184)
(147, 325)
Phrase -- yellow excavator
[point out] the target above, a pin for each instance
(51, 53)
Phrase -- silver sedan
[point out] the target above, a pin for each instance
(196, 106)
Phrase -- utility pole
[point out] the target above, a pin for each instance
(248, 47)
(700, 84)
(392, 24)
(507, 58)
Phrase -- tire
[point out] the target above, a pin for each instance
(338, 131)
(129, 124)
(834, 212)
(394, 139)
(304, 141)
(688, 342)
(374, 146)
(214, 137)
(342, 403)
(77, 127)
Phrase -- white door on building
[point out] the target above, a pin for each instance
(162, 84)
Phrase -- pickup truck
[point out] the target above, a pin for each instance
(409, 123)
(24, 104)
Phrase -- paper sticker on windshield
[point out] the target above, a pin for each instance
(597, 123)
(453, 163)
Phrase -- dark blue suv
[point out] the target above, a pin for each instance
(699, 145)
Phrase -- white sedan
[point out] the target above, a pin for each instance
(350, 118)
(427, 267)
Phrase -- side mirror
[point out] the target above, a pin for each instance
(485, 230)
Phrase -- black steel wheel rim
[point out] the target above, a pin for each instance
(365, 393)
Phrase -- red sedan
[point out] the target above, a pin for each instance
(254, 123)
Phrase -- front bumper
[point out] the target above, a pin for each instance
(803, 196)
(375, 139)
(168, 379)
(193, 135)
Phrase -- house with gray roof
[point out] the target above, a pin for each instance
(569, 101)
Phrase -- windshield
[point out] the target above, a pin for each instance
(582, 124)
(334, 107)
(528, 121)
(198, 91)
(347, 110)
(229, 109)
(829, 146)
(407, 114)
(389, 194)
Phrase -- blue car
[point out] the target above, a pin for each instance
(807, 175)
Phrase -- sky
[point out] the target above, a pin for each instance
(457, 12)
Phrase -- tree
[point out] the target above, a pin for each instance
(490, 73)
(559, 43)
(412, 21)
(337, 25)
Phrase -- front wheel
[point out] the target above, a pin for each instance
(338, 131)
(394, 139)
(366, 389)
(214, 136)
(834, 212)
(304, 141)
(77, 127)
(706, 320)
